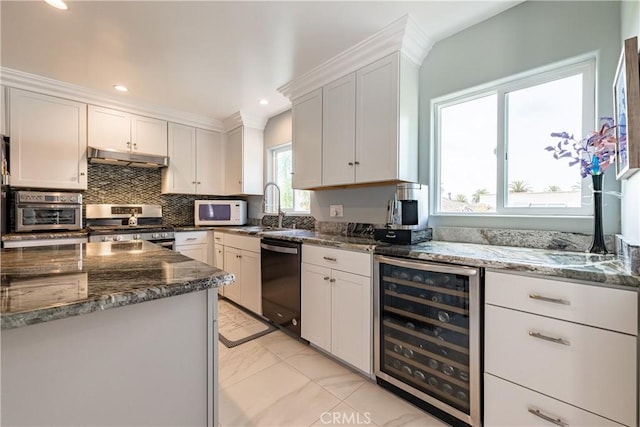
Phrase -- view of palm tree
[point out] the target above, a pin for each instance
(518, 186)
(553, 188)
(475, 197)
(460, 198)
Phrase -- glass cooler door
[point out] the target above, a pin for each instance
(427, 332)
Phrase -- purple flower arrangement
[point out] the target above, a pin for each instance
(595, 152)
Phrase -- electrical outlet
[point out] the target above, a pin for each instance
(336, 211)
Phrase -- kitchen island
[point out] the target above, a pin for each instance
(108, 334)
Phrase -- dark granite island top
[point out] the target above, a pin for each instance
(41, 284)
(607, 270)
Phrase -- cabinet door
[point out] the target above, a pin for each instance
(252, 161)
(3, 111)
(233, 265)
(209, 163)
(180, 176)
(233, 156)
(197, 252)
(148, 135)
(377, 121)
(316, 305)
(251, 282)
(109, 128)
(48, 141)
(339, 131)
(307, 141)
(351, 319)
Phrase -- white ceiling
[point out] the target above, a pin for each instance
(209, 58)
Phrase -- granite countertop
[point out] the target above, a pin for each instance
(604, 269)
(41, 284)
(355, 243)
(43, 235)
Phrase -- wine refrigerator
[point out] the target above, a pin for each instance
(427, 335)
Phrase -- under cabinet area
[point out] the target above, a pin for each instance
(119, 130)
(336, 303)
(367, 126)
(242, 259)
(544, 336)
(48, 141)
(196, 162)
(194, 244)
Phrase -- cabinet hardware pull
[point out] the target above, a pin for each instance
(81, 173)
(350, 163)
(332, 280)
(546, 338)
(326, 278)
(191, 238)
(357, 163)
(329, 258)
(128, 143)
(556, 421)
(547, 299)
(198, 182)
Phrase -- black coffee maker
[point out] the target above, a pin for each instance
(407, 216)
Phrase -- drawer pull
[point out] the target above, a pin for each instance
(547, 299)
(329, 258)
(556, 421)
(191, 238)
(546, 338)
(326, 277)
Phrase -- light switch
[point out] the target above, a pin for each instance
(336, 211)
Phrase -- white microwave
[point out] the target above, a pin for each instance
(220, 212)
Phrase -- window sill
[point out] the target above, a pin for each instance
(566, 223)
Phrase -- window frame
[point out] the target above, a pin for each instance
(585, 65)
(271, 168)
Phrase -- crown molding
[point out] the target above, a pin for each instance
(241, 118)
(403, 35)
(31, 82)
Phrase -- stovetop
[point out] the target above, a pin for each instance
(97, 230)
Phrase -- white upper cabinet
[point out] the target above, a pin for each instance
(339, 132)
(196, 164)
(307, 140)
(244, 161)
(368, 131)
(3, 111)
(387, 121)
(48, 141)
(123, 131)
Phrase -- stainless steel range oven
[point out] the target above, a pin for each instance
(427, 326)
(107, 223)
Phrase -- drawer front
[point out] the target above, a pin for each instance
(191, 238)
(592, 369)
(251, 244)
(338, 259)
(218, 238)
(606, 308)
(508, 404)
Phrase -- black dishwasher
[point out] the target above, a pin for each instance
(280, 267)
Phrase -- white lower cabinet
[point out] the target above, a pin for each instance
(336, 305)
(584, 371)
(194, 244)
(508, 404)
(242, 258)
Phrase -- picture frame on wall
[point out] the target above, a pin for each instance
(626, 108)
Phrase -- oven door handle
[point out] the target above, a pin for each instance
(421, 265)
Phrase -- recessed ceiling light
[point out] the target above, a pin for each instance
(263, 101)
(121, 88)
(58, 4)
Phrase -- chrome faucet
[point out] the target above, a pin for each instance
(264, 201)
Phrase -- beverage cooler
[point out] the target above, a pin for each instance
(427, 335)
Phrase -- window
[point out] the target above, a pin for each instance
(279, 171)
(489, 150)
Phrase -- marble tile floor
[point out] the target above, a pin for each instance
(278, 381)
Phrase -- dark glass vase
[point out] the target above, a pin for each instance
(597, 246)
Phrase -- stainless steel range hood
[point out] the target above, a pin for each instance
(125, 158)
